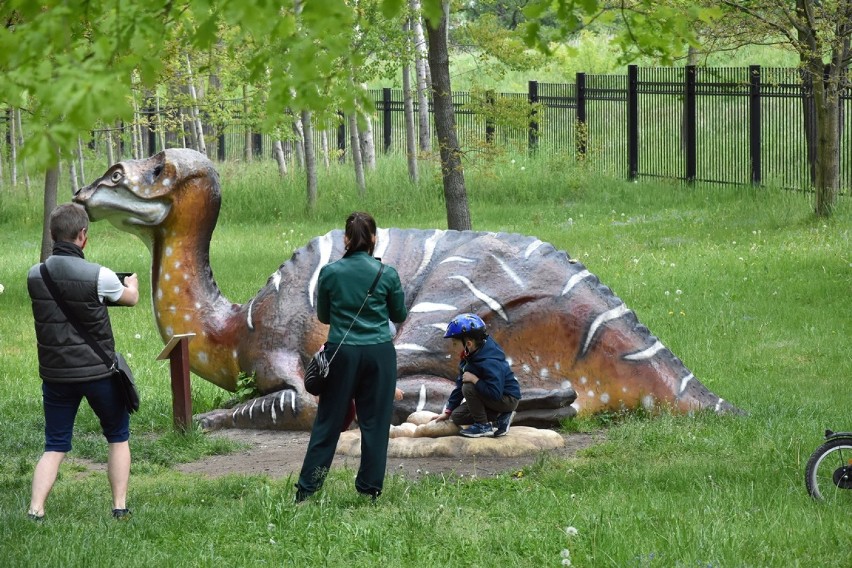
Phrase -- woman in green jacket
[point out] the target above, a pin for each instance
(364, 367)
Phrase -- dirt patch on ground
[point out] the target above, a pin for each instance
(279, 454)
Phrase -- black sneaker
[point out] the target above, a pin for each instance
(122, 514)
(503, 423)
(478, 430)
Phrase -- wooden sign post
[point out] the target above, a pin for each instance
(177, 351)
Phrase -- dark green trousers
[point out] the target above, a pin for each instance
(367, 374)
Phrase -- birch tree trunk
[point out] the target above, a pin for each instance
(110, 155)
(299, 142)
(21, 145)
(51, 186)
(356, 155)
(198, 128)
(408, 107)
(161, 131)
(368, 144)
(455, 193)
(72, 172)
(310, 159)
(13, 148)
(247, 155)
(81, 160)
(420, 62)
(325, 156)
(278, 150)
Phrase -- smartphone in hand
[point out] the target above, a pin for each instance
(122, 276)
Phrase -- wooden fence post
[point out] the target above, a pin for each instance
(177, 351)
(341, 138)
(386, 118)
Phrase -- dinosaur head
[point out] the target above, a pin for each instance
(139, 196)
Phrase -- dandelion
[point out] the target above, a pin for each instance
(2, 288)
(678, 292)
(635, 261)
(566, 562)
(733, 242)
(513, 161)
(571, 531)
(565, 553)
(672, 265)
(271, 541)
(666, 292)
(523, 168)
(137, 336)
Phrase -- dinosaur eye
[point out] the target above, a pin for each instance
(116, 176)
(157, 171)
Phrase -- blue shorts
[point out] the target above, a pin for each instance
(61, 401)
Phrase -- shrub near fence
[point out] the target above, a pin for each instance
(720, 125)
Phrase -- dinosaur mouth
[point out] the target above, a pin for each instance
(120, 206)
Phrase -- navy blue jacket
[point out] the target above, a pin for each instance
(489, 364)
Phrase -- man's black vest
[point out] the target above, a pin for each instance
(63, 355)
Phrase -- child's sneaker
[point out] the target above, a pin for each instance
(503, 423)
(478, 430)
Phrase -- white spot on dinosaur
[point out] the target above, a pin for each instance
(159, 293)
(604, 398)
(167, 276)
(526, 369)
(168, 251)
(566, 385)
(511, 273)
(167, 182)
(187, 317)
(177, 264)
(645, 353)
(608, 315)
(197, 305)
(177, 289)
(574, 280)
(457, 259)
(276, 280)
(719, 405)
(382, 242)
(648, 401)
(583, 380)
(325, 246)
(591, 394)
(491, 302)
(202, 356)
(544, 373)
(428, 250)
(685, 381)
(421, 402)
(248, 318)
(424, 307)
(169, 331)
(532, 247)
(411, 347)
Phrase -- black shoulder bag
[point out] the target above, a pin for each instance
(121, 373)
(316, 373)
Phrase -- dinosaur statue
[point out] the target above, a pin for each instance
(574, 345)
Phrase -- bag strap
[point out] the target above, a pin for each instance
(66, 310)
(364, 303)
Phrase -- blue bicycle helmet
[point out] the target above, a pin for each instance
(464, 323)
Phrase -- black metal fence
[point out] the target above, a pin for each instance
(721, 125)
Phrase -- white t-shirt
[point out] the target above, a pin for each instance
(109, 286)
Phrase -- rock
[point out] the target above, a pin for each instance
(405, 430)
(520, 441)
(420, 417)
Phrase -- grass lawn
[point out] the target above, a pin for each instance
(744, 285)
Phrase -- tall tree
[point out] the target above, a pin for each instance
(452, 172)
(820, 32)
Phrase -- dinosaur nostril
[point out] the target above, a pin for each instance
(157, 171)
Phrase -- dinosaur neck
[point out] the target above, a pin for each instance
(187, 299)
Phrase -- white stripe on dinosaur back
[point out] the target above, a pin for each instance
(492, 303)
(608, 315)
